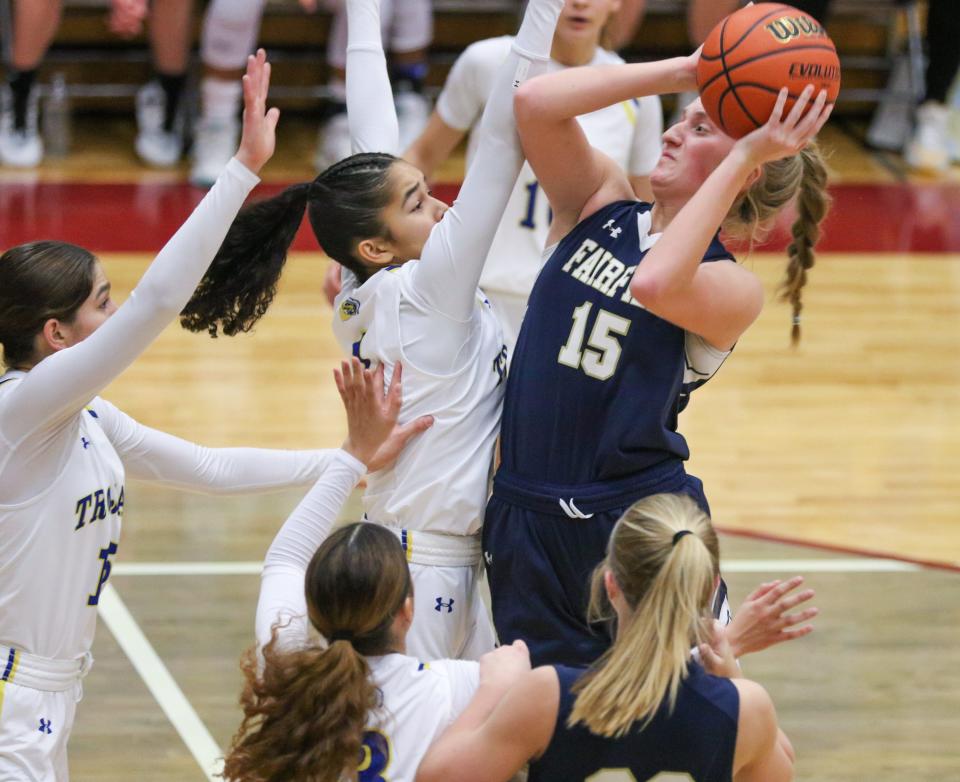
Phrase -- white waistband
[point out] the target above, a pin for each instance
(42, 673)
(434, 548)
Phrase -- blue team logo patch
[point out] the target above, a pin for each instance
(349, 308)
(444, 605)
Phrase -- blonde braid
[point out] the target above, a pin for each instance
(812, 206)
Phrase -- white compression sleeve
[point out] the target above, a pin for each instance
(371, 114)
(58, 387)
(452, 259)
(155, 456)
(281, 589)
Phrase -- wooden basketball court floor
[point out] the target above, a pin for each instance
(837, 460)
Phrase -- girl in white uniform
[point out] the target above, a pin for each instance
(628, 132)
(65, 452)
(372, 212)
(312, 708)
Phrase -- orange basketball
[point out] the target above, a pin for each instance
(755, 52)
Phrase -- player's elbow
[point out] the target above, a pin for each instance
(526, 101)
(647, 288)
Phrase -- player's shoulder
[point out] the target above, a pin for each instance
(488, 51)
(607, 57)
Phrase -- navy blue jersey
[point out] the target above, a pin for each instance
(697, 738)
(597, 382)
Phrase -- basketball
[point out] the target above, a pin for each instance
(755, 52)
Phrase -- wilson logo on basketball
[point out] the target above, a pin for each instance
(786, 28)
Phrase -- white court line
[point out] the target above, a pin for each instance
(186, 568)
(855, 565)
(161, 684)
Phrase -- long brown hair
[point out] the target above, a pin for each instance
(305, 709)
(39, 281)
(801, 178)
(666, 576)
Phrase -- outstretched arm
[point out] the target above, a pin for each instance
(452, 259)
(372, 427)
(371, 114)
(59, 386)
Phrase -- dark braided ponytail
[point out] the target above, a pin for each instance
(344, 205)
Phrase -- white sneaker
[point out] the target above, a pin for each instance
(333, 142)
(928, 148)
(413, 112)
(214, 143)
(154, 145)
(20, 147)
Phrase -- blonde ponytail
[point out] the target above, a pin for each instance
(666, 577)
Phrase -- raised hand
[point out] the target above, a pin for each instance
(259, 125)
(373, 435)
(717, 655)
(782, 136)
(764, 619)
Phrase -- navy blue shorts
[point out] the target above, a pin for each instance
(540, 560)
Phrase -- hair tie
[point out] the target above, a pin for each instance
(796, 320)
(341, 635)
(680, 534)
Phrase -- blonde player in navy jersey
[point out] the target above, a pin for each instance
(629, 132)
(412, 296)
(65, 452)
(636, 306)
(312, 710)
(645, 710)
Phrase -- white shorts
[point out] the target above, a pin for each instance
(38, 701)
(34, 729)
(450, 617)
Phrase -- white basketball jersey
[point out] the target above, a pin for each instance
(628, 132)
(420, 700)
(440, 481)
(56, 549)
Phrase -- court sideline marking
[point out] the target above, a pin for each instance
(242, 568)
(160, 682)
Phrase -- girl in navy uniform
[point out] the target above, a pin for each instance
(646, 708)
(636, 306)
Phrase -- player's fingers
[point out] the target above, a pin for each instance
(799, 107)
(783, 587)
(273, 117)
(789, 620)
(787, 602)
(805, 127)
(822, 119)
(395, 379)
(795, 632)
(338, 379)
(761, 590)
(777, 112)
